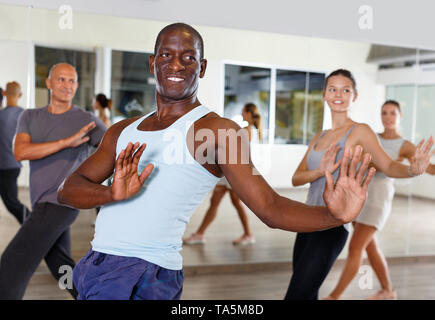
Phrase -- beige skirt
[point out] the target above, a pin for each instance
(379, 201)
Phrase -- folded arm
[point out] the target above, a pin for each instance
(83, 189)
(25, 149)
(419, 161)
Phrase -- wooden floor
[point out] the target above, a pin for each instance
(218, 270)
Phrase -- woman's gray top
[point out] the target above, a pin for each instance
(315, 192)
(392, 148)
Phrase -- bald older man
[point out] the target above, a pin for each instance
(56, 139)
(9, 167)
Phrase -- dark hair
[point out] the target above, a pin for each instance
(182, 26)
(393, 102)
(256, 117)
(103, 101)
(344, 73)
(1, 96)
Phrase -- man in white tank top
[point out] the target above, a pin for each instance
(138, 233)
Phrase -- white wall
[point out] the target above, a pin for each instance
(303, 53)
(14, 58)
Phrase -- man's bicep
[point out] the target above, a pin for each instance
(22, 138)
(97, 167)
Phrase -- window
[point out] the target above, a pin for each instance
(292, 98)
(404, 94)
(133, 85)
(247, 85)
(423, 114)
(83, 61)
(299, 106)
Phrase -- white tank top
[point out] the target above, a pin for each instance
(254, 134)
(150, 225)
(392, 148)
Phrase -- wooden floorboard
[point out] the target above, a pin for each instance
(218, 270)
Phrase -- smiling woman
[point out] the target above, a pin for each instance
(315, 252)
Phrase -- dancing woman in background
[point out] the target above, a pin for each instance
(314, 253)
(102, 106)
(251, 115)
(377, 209)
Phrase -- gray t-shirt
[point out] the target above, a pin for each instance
(48, 173)
(8, 125)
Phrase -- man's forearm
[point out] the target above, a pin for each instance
(290, 215)
(80, 193)
(431, 169)
(35, 151)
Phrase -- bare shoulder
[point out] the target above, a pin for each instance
(362, 128)
(361, 132)
(315, 138)
(115, 130)
(214, 122)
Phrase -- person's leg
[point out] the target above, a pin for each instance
(29, 246)
(320, 250)
(242, 213)
(247, 237)
(361, 237)
(9, 194)
(210, 215)
(380, 266)
(60, 256)
(301, 242)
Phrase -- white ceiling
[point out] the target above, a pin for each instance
(400, 23)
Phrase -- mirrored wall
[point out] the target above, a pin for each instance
(111, 56)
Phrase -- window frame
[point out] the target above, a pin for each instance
(272, 96)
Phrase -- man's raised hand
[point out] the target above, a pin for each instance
(80, 137)
(346, 198)
(126, 181)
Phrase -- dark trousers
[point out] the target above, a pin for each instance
(44, 235)
(9, 194)
(314, 254)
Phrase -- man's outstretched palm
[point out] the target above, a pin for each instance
(346, 198)
(126, 181)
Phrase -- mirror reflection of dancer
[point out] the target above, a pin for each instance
(314, 253)
(102, 106)
(377, 209)
(251, 115)
(9, 167)
(138, 233)
(56, 139)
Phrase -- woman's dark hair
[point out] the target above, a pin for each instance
(344, 73)
(103, 101)
(1, 96)
(393, 102)
(256, 117)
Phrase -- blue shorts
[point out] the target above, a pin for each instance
(101, 276)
